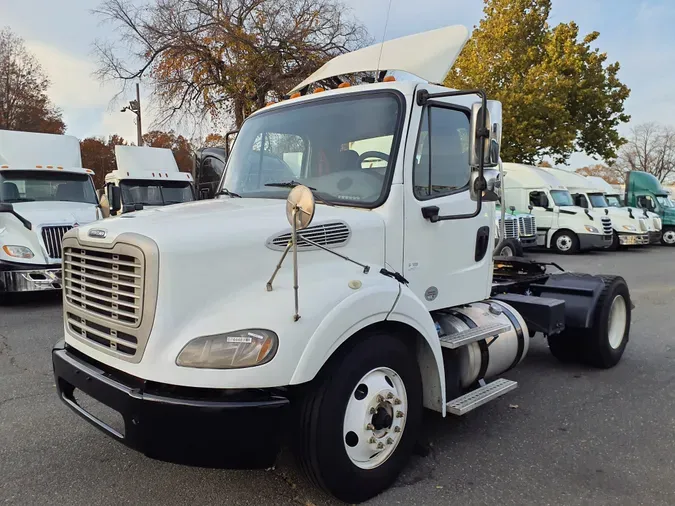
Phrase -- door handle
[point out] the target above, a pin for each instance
(431, 213)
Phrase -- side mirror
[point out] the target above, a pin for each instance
(114, 198)
(204, 193)
(493, 125)
(512, 209)
(6, 208)
(530, 207)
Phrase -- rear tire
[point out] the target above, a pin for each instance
(565, 242)
(668, 236)
(333, 438)
(509, 248)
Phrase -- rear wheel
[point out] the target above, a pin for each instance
(509, 248)
(359, 422)
(668, 236)
(565, 242)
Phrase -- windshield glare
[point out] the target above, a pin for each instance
(664, 201)
(613, 201)
(562, 198)
(154, 193)
(46, 186)
(343, 147)
(597, 200)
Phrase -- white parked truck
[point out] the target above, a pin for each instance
(561, 226)
(145, 177)
(331, 304)
(44, 192)
(615, 200)
(627, 231)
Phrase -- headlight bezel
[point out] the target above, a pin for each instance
(591, 229)
(629, 228)
(28, 253)
(200, 350)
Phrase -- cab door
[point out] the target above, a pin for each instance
(447, 262)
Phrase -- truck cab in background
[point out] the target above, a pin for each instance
(209, 164)
(627, 231)
(561, 226)
(44, 192)
(643, 190)
(616, 201)
(145, 177)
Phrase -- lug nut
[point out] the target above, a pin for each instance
(397, 401)
(380, 398)
(380, 446)
(397, 429)
(372, 440)
(390, 441)
(373, 411)
(399, 414)
(370, 426)
(390, 396)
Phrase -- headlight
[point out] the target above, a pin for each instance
(630, 228)
(18, 251)
(234, 350)
(591, 229)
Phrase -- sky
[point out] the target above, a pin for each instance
(637, 33)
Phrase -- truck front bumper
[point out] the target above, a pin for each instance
(633, 239)
(16, 277)
(528, 241)
(594, 241)
(204, 427)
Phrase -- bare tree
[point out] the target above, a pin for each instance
(650, 148)
(223, 56)
(24, 104)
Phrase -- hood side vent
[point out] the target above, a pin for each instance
(333, 234)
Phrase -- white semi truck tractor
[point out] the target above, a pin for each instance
(330, 304)
(145, 177)
(44, 192)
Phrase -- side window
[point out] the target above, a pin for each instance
(646, 202)
(212, 170)
(442, 154)
(538, 199)
(580, 200)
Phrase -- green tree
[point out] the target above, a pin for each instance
(559, 95)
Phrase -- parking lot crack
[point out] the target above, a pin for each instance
(22, 397)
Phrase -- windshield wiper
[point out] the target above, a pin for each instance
(288, 184)
(225, 191)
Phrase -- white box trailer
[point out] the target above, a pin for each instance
(44, 192)
(145, 177)
(561, 225)
(334, 302)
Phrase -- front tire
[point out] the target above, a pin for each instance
(615, 242)
(361, 418)
(565, 242)
(668, 236)
(509, 248)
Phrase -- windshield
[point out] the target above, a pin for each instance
(664, 201)
(597, 199)
(154, 193)
(562, 198)
(343, 147)
(45, 186)
(613, 201)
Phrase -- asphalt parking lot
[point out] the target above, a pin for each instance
(569, 435)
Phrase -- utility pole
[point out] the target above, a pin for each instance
(135, 107)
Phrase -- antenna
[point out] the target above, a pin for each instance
(384, 34)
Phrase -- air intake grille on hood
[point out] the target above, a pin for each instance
(329, 235)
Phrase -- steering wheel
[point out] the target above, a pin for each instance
(373, 154)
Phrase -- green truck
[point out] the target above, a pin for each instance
(645, 191)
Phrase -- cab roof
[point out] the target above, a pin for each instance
(602, 185)
(35, 151)
(518, 175)
(145, 162)
(573, 180)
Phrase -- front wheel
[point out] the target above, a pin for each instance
(615, 242)
(509, 248)
(668, 236)
(565, 242)
(360, 420)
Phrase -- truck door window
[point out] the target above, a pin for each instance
(580, 200)
(538, 199)
(442, 154)
(646, 202)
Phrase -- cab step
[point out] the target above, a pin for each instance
(468, 402)
(468, 336)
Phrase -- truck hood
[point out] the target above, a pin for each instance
(56, 213)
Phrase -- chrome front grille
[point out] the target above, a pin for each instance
(606, 225)
(527, 225)
(101, 334)
(510, 228)
(52, 237)
(104, 284)
(657, 224)
(329, 235)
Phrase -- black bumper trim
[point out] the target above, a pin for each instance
(244, 430)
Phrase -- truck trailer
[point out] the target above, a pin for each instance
(330, 308)
(44, 192)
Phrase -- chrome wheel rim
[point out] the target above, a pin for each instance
(564, 243)
(669, 237)
(617, 321)
(506, 251)
(375, 418)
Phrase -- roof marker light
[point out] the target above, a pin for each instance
(4, 166)
(297, 94)
(389, 79)
(127, 173)
(50, 166)
(59, 167)
(319, 90)
(153, 174)
(344, 85)
(38, 166)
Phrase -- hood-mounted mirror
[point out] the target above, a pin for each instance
(300, 207)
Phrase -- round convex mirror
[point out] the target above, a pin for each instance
(302, 199)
